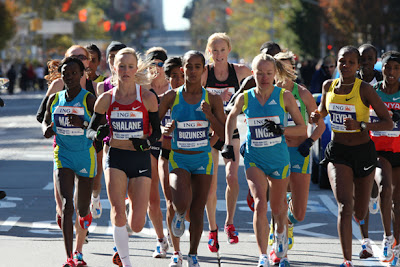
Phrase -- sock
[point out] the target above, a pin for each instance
(121, 239)
(95, 199)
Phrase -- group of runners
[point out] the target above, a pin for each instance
(159, 119)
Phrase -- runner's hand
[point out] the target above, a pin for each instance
(228, 153)
(273, 127)
(304, 148)
(102, 132)
(140, 144)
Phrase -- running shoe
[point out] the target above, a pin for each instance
(388, 243)
(373, 205)
(250, 201)
(176, 259)
(213, 244)
(347, 264)
(273, 259)
(263, 261)
(86, 221)
(396, 259)
(116, 259)
(284, 262)
(78, 259)
(232, 234)
(96, 209)
(290, 235)
(69, 263)
(366, 249)
(271, 232)
(192, 260)
(281, 244)
(178, 224)
(58, 220)
(161, 249)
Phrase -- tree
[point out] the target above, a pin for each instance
(207, 17)
(303, 29)
(7, 23)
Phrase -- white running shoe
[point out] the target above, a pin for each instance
(396, 259)
(176, 259)
(373, 205)
(281, 245)
(161, 249)
(192, 260)
(263, 261)
(366, 251)
(387, 249)
(96, 209)
(178, 224)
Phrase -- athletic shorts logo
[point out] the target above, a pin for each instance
(201, 168)
(276, 173)
(297, 166)
(367, 168)
(83, 171)
(142, 171)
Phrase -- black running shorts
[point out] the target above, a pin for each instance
(362, 158)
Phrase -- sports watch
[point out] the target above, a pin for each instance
(363, 126)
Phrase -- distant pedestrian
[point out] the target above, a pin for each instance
(39, 71)
(12, 76)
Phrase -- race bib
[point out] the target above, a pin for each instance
(63, 127)
(192, 134)
(225, 93)
(127, 124)
(260, 136)
(395, 132)
(338, 113)
(290, 120)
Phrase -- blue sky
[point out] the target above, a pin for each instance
(173, 11)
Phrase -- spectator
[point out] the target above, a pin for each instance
(39, 71)
(324, 73)
(12, 76)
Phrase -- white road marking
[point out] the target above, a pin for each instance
(8, 224)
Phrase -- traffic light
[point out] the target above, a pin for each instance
(122, 26)
(83, 15)
(107, 25)
(249, 1)
(329, 46)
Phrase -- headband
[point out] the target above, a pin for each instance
(390, 57)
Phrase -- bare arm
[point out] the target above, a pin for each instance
(231, 121)
(300, 128)
(47, 124)
(215, 114)
(99, 89)
(311, 106)
(242, 72)
(55, 86)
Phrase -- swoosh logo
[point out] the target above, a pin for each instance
(135, 108)
(367, 168)
(142, 171)
(347, 99)
(396, 98)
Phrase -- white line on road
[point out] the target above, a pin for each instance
(8, 224)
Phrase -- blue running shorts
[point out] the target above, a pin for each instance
(83, 163)
(201, 163)
(298, 163)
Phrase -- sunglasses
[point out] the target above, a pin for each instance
(81, 57)
(158, 64)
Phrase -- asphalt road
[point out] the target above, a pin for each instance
(29, 235)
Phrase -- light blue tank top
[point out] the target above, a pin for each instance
(260, 143)
(192, 126)
(68, 136)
